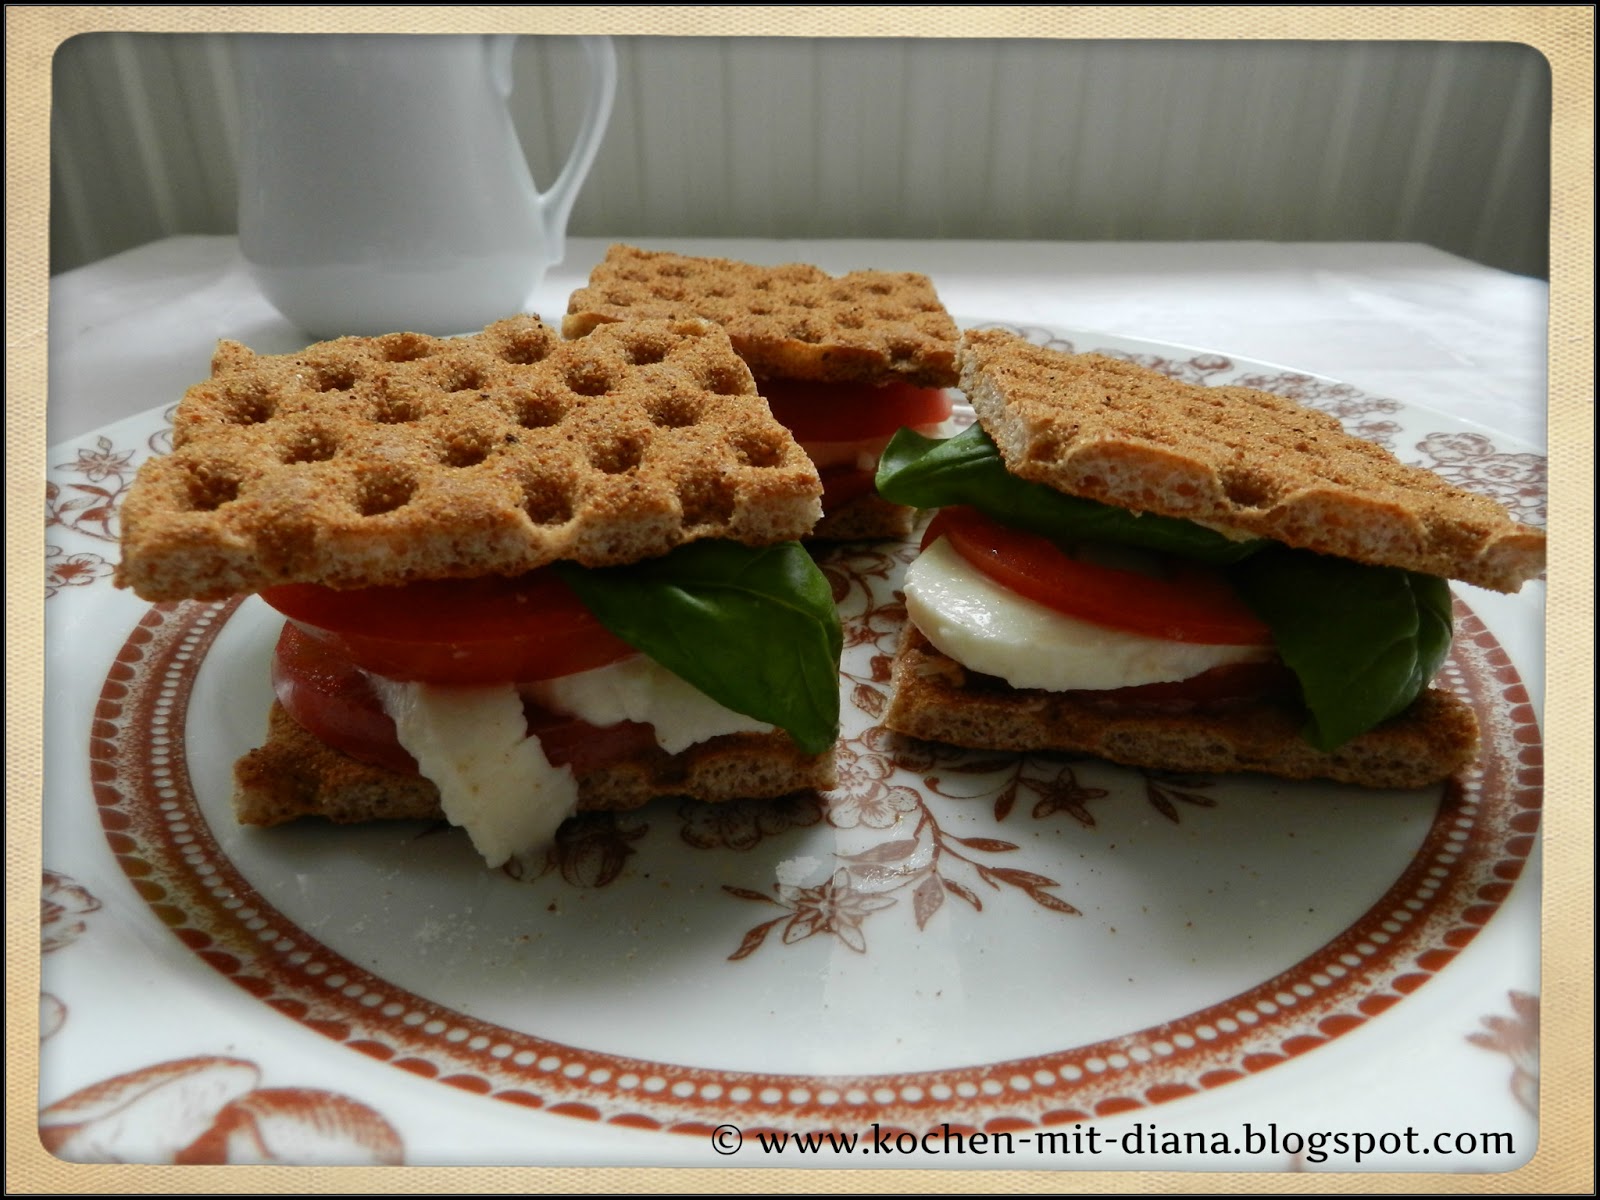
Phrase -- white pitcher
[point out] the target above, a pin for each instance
(381, 184)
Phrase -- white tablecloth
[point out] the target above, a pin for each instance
(1402, 321)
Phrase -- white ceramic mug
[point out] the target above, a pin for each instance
(381, 184)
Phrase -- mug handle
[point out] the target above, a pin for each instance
(555, 205)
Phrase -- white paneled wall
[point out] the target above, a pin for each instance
(1444, 143)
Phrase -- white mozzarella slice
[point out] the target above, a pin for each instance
(864, 453)
(994, 631)
(493, 779)
(641, 689)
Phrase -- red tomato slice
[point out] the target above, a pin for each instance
(1219, 688)
(1189, 603)
(585, 747)
(851, 412)
(332, 700)
(457, 631)
(329, 697)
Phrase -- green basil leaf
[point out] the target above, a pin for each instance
(1364, 641)
(754, 628)
(927, 472)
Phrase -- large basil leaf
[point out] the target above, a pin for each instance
(967, 469)
(1364, 641)
(753, 628)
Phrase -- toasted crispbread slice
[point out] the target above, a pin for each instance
(1232, 457)
(793, 322)
(865, 518)
(295, 775)
(937, 699)
(788, 322)
(369, 461)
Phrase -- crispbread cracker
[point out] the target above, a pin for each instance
(295, 775)
(793, 322)
(788, 322)
(1232, 457)
(364, 461)
(865, 518)
(937, 699)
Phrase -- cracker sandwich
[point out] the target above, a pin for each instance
(1184, 578)
(523, 577)
(843, 361)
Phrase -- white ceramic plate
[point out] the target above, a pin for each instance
(1042, 961)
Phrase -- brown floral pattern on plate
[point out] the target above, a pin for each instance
(89, 506)
(1518, 481)
(210, 1110)
(1516, 1037)
(202, 1109)
(63, 906)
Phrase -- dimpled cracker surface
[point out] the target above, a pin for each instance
(369, 461)
(1246, 460)
(788, 322)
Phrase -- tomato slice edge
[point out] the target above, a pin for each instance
(849, 412)
(1193, 603)
(330, 697)
(458, 631)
